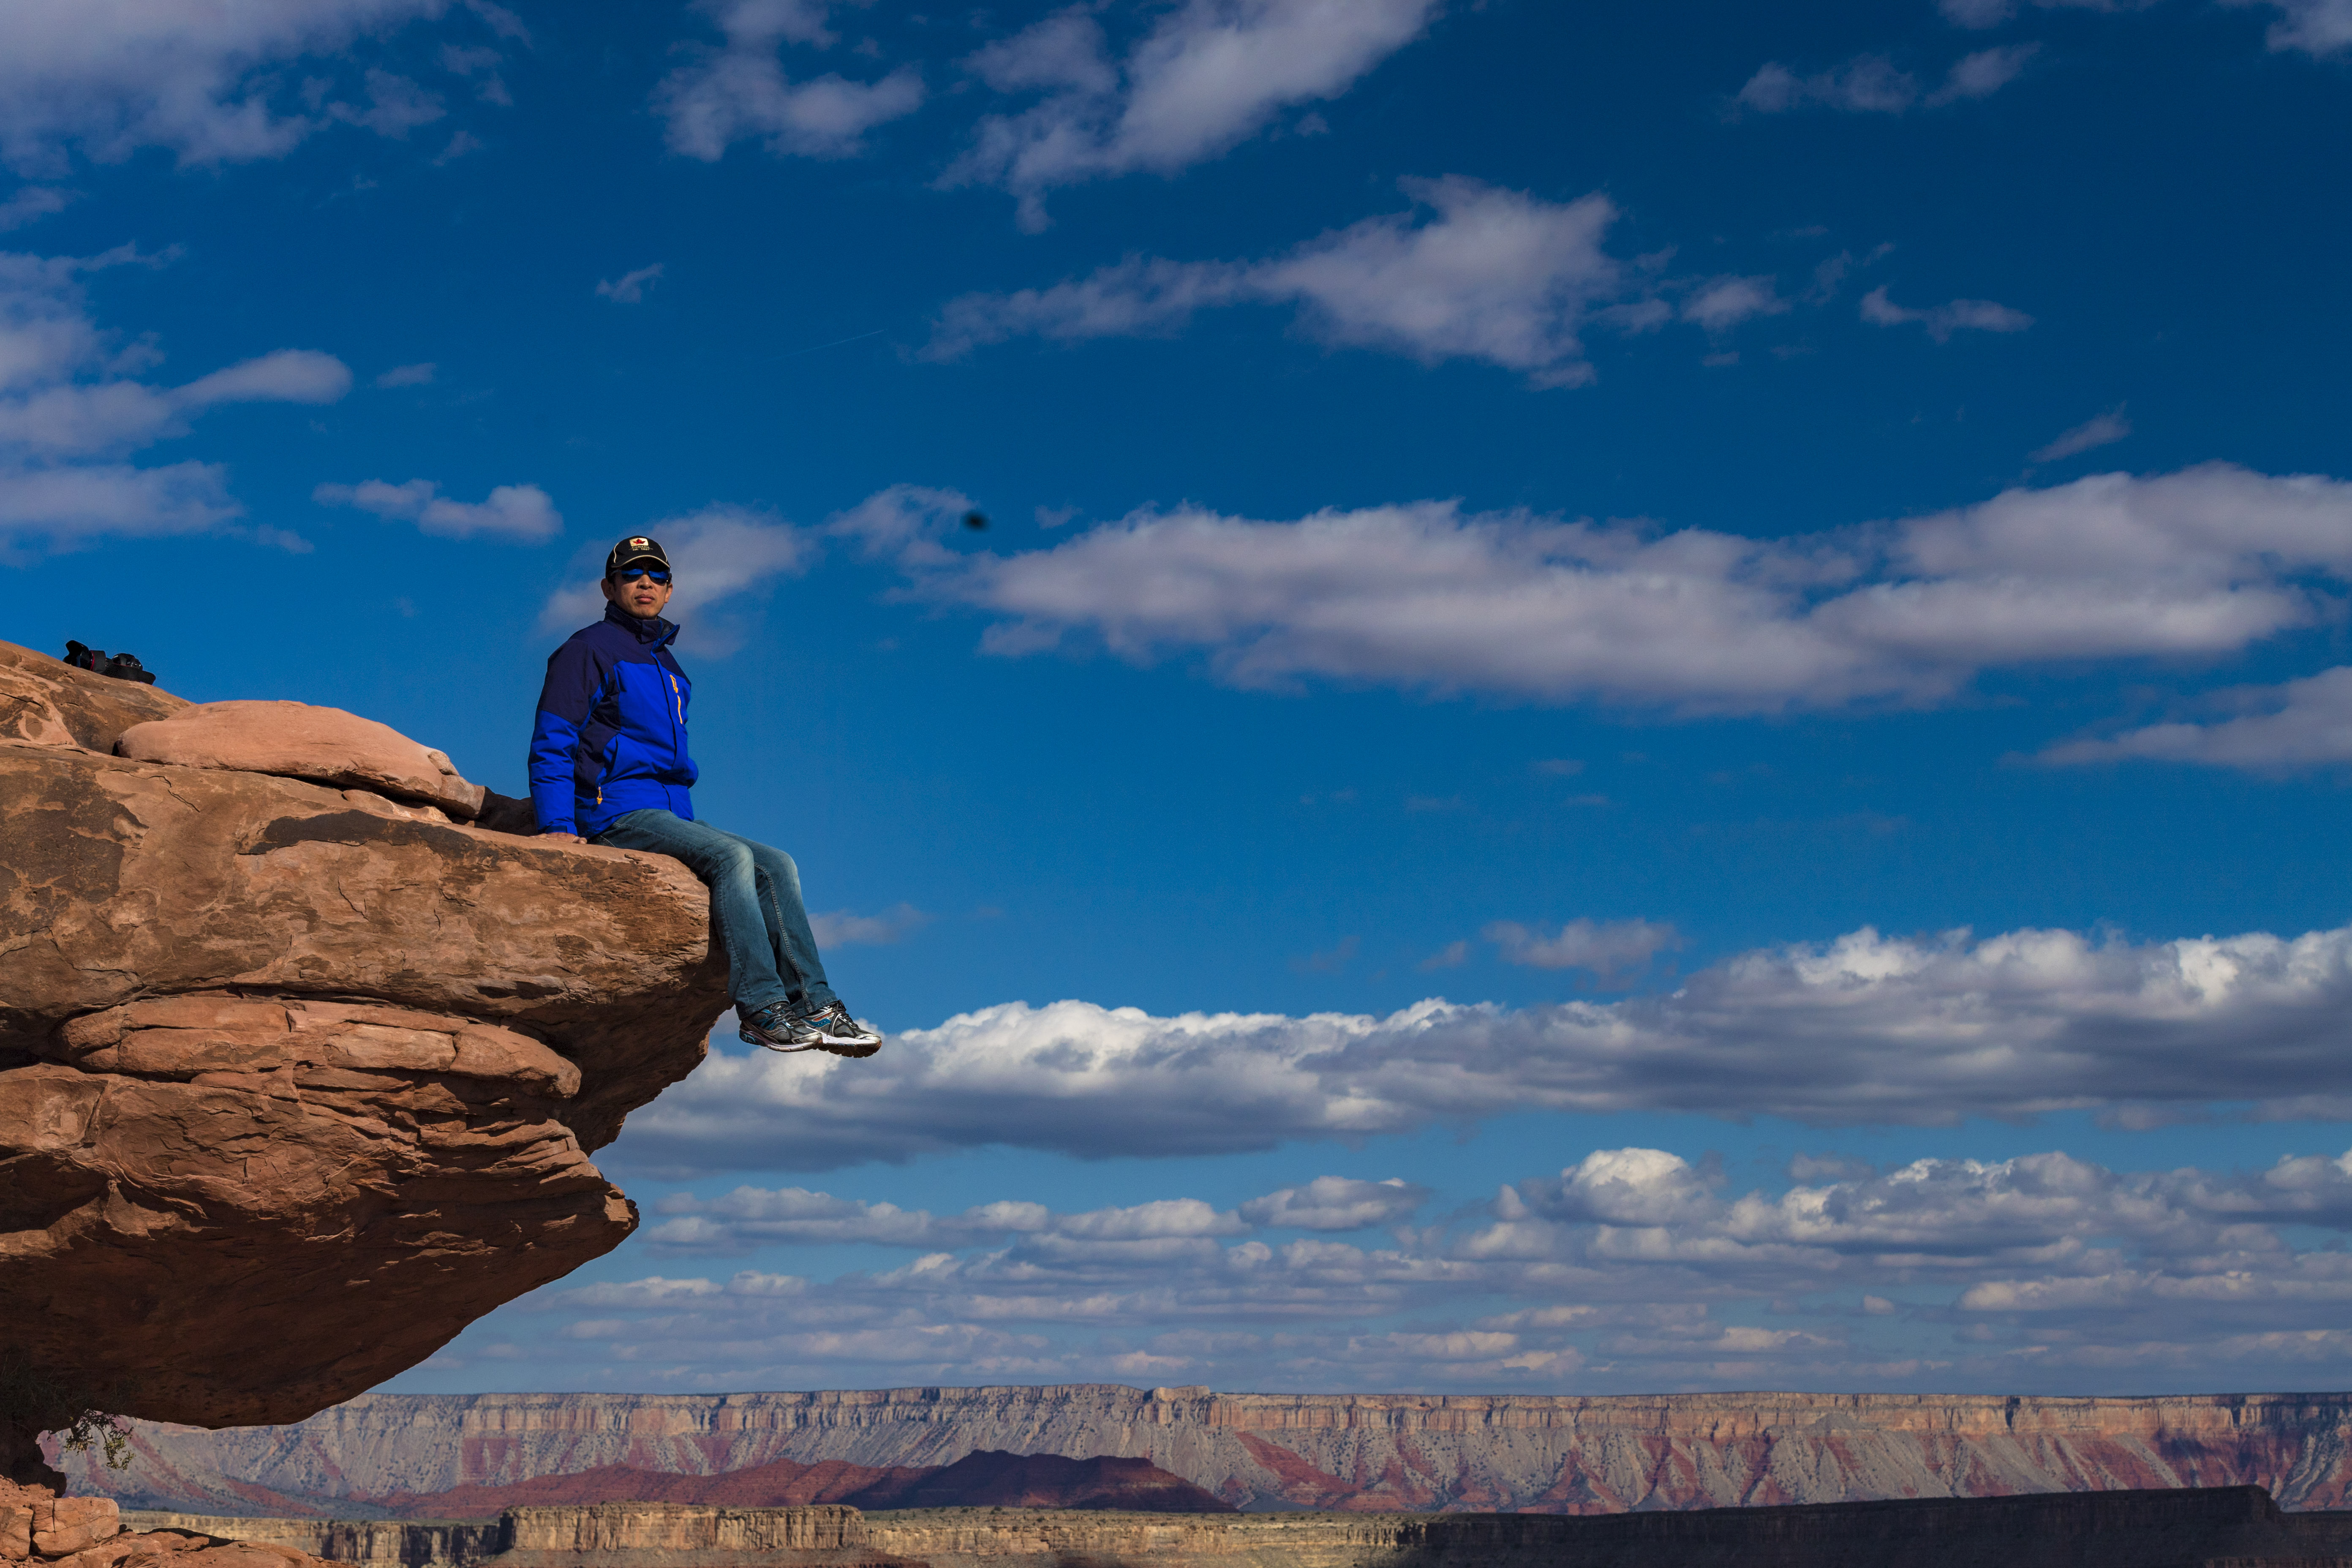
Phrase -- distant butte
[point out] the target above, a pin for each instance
(983, 1479)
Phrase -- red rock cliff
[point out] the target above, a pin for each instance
(299, 1078)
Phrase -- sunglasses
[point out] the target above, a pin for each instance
(661, 579)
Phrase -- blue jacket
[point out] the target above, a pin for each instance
(610, 736)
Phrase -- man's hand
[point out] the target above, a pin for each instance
(564, 837)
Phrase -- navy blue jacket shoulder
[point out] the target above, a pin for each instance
(611, 735)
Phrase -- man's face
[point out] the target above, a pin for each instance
(635, 592)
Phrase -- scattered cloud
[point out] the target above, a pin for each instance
(2099, 430)
(2201, 563)
(30, 204)
(2316, 28)
(1207, 76)
(63, 507)
(841, 927)
(1981, 14)
(209, 83)
(74, 403)
(1868, 84)
(739, 91)
(1983, 73)
(395, 106)
(1943, 321)
(1337, 1203)
(2321, 27)
(2304, 723)
(408, 376)
(1873, 84)
(718, 552)
(1608, 948)
(630, 286)
(1628, 1269)
(752, 1217)
(1721, 303)
(1486, 274)
(1865, 1029)
(1331, 961)
(1452, 955)
(521, 512)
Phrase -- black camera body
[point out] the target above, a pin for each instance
(121, 666)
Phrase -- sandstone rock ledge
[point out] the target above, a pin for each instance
(39, 1530)
(296, 1081)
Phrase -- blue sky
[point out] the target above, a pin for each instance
(1655, 698)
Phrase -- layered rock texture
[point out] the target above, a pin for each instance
(2235, 1527)
(39, 1530)
(299, 1078)
(1357, 1452)
(983, 1479)
(297, 741)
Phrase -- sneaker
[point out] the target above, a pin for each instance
(843, 1034)
(777, 1028)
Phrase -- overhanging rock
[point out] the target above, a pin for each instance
(297, 1081)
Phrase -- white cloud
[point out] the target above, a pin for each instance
(521, 512)
(290, 376)
(1867, 84)
(1993, 13)
(70, 393)
(1337, 1203)
(717, 553)
(205, 80)
(2311, 27)
(2304, 723)
(1494, 275)
(752, 1217)
(630, 286)
(1629, 1269)
(841, 926)
(2099, 430)
(395, 106)
(1943, 321)
(66, 506)
(2203, 563)
(1984, 73)
(1207, 76)
(407, 375)
(739, 91)
(1608, 948)
(31, 204)
(1872, 84)
(1864, 1029)
(1724, 302)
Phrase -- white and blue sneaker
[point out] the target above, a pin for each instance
(840, 1034)
(779, 1028)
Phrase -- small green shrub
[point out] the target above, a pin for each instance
(33, 1400)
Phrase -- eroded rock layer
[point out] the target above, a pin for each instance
(2234, 1527)
(297, 1080)
(1361, 1452)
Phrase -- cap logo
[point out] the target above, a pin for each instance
(639, 544)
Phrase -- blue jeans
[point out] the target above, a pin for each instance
(756, 912)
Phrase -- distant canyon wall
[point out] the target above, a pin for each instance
(1352, 1452)
(2231, 1527)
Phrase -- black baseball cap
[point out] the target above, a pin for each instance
(637, 551)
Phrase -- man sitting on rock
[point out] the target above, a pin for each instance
(608, 760)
